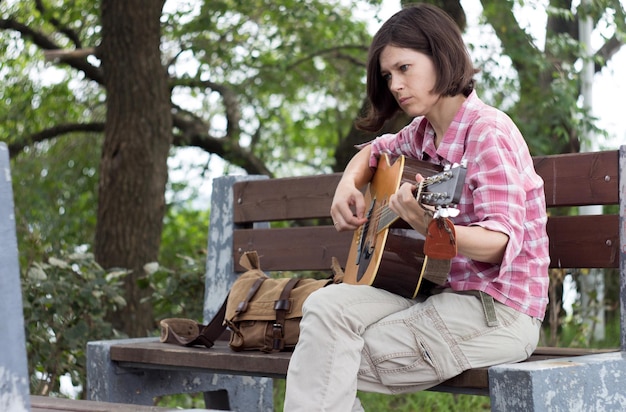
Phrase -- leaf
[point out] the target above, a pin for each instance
(58, 263)
(119, 301)
(151, 268)
(115, 275)
(37, 273)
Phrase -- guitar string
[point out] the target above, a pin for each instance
(384, 212)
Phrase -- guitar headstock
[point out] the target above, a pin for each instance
(444, 189)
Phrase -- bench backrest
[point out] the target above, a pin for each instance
(14, 390)
(309, 240)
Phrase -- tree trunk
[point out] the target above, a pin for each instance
(133, 167)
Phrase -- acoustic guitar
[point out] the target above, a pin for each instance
(386, 252)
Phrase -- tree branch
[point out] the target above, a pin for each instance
(192, 135)
(36, 37)
(69, 33)
(44, 42)
(517, 44)
(231, 104)
(333, 51)
(59, 55)
(54, 132)
(606, 52)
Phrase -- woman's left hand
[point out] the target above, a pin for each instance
(405, 205)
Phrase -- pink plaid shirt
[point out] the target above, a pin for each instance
(502, 192)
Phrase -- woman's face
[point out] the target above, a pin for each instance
(410, 77)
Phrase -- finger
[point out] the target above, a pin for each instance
(407, 191)
(359, 207)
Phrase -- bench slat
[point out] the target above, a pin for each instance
(298, 248)
(570, 180)
(220, 358)
(578, 179)
(575, 242)
(50, 404)
(584, 241)
(284, 199)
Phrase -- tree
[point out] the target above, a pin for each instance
(298, 59)
(137, 140)
(270, 86)
(549, 81)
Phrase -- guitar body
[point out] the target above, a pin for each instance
(391, 258)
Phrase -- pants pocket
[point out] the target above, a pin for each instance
(410, 353)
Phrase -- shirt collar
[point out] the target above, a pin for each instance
(452, 146)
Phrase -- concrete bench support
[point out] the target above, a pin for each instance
(112, 383)
(14, 390)
(582, 383)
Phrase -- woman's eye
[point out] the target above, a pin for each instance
(386, 77)
(404, 67)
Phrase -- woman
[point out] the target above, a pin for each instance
(491, 307)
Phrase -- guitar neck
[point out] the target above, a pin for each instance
(439, 188)
(387, 216)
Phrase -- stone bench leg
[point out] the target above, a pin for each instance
(583, 383)
(108, 382)
(14, 390)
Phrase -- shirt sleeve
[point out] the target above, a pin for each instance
(497, 181)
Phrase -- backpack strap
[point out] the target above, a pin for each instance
(282, 306)
(188, 332)
(243, 305)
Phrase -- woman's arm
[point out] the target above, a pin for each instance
(474, 242)
(480, 244)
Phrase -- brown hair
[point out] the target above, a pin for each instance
(426, 29)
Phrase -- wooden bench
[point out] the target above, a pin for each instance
(137, 370)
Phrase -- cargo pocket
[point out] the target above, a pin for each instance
(403, 356)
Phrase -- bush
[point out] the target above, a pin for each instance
(179, 292)
(66, 303)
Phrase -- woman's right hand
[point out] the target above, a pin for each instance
(348, 207)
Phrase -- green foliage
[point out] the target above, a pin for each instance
(66, 301)
(185, 231)
(35, 95)
(179, 292)
(541, 90)
(297, 69)
(178, 282)
(182, 401)
(67, 298)
(578, 328)
(55, 185)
